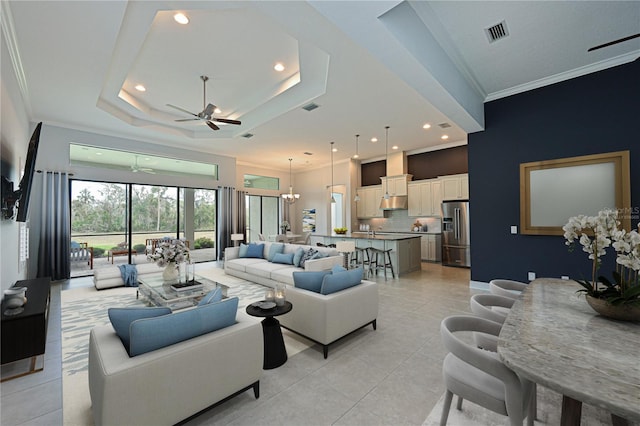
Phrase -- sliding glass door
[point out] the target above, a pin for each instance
(121, 223)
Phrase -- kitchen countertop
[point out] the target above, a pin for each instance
(363, 236)
(397, 232)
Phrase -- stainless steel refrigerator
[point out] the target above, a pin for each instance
(455, 234)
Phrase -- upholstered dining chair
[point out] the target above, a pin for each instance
(495, 308)
(507, 288)
(478, 375)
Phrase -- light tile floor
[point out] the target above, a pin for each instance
(390, 376)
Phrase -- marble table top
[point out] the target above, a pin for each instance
(553, 337)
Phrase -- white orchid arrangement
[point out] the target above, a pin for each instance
(596, 234)
(170, 251)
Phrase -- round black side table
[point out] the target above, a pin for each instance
(275, 353)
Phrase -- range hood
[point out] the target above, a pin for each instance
(396, 167)
(394, 202)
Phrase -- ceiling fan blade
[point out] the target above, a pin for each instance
(228, 121)
(213, 126)
(182, 109)
(611, 43)
(188, 119)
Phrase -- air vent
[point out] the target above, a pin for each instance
(310, 107)
(247, 135)
(308, 153)
(497, 32)
(444, 125)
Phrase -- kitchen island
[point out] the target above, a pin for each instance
(405, 249)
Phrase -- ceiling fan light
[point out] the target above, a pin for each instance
(217, 110)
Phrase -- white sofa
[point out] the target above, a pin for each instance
(171, 384)
(110, 276)
(263, 272)
(327, 318)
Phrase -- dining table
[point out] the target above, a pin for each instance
(552, 337)
(288, 237)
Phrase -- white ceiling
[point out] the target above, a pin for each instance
(366, 64)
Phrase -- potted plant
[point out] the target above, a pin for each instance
(168, 255)
(618, 298)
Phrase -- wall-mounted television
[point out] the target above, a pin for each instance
(20, 197)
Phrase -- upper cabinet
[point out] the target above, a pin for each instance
(395, 185)
(455, 187)
(369, 204)
(424, 198)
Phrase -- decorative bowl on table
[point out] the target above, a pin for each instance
(340, 231)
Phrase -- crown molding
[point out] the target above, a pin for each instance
(568, 75)
(9, 33)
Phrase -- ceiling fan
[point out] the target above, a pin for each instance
(135, 168)
(207, 112)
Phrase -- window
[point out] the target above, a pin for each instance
(261, 182)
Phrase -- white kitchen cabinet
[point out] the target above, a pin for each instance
(395, 185)
(424, 198)
(369, 204)
(430, 248)
(455, 187)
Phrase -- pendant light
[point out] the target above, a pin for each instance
(290, 198)
(356, 155)
(333, 200)
(386, 152)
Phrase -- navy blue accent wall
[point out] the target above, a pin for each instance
(596, 113)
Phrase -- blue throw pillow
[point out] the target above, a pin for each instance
(311, 281)
(337, 281)
(285, 258)
(255, 250)
(121, 319)
(75, 244)
(307, 256)
(338, 268)
(297, 256)
(213, 296)
(243, 250)
(274, 249)
(150, 334)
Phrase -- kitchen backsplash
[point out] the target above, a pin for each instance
(399, 221)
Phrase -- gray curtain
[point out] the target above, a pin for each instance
(55, 227)
(241, 213)
(224, 220)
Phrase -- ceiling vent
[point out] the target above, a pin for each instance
(444, 125)
(310, 107)
(308, 153)
(247, 135)
(497, 32)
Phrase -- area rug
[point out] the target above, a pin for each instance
(548, 413)
(84, 308)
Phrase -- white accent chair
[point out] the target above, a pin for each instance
(507, 288)
(478, 375)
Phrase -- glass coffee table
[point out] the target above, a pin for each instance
(158, 292)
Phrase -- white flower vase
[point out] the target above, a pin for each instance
(170, 272)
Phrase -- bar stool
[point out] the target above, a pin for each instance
(381, 259)
(362, 258)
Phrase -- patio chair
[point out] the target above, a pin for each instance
(81, 252)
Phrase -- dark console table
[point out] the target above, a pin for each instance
(25, 335)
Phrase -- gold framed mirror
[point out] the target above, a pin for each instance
(552, 191)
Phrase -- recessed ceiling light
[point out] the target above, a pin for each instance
(444, 137)
(278, 67)
(374, 139)
(394, 147)
(426, 126)
(98, 153)
(217, 110)
(140, 88)
(181, 18)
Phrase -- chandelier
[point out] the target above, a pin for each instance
(290, 197)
